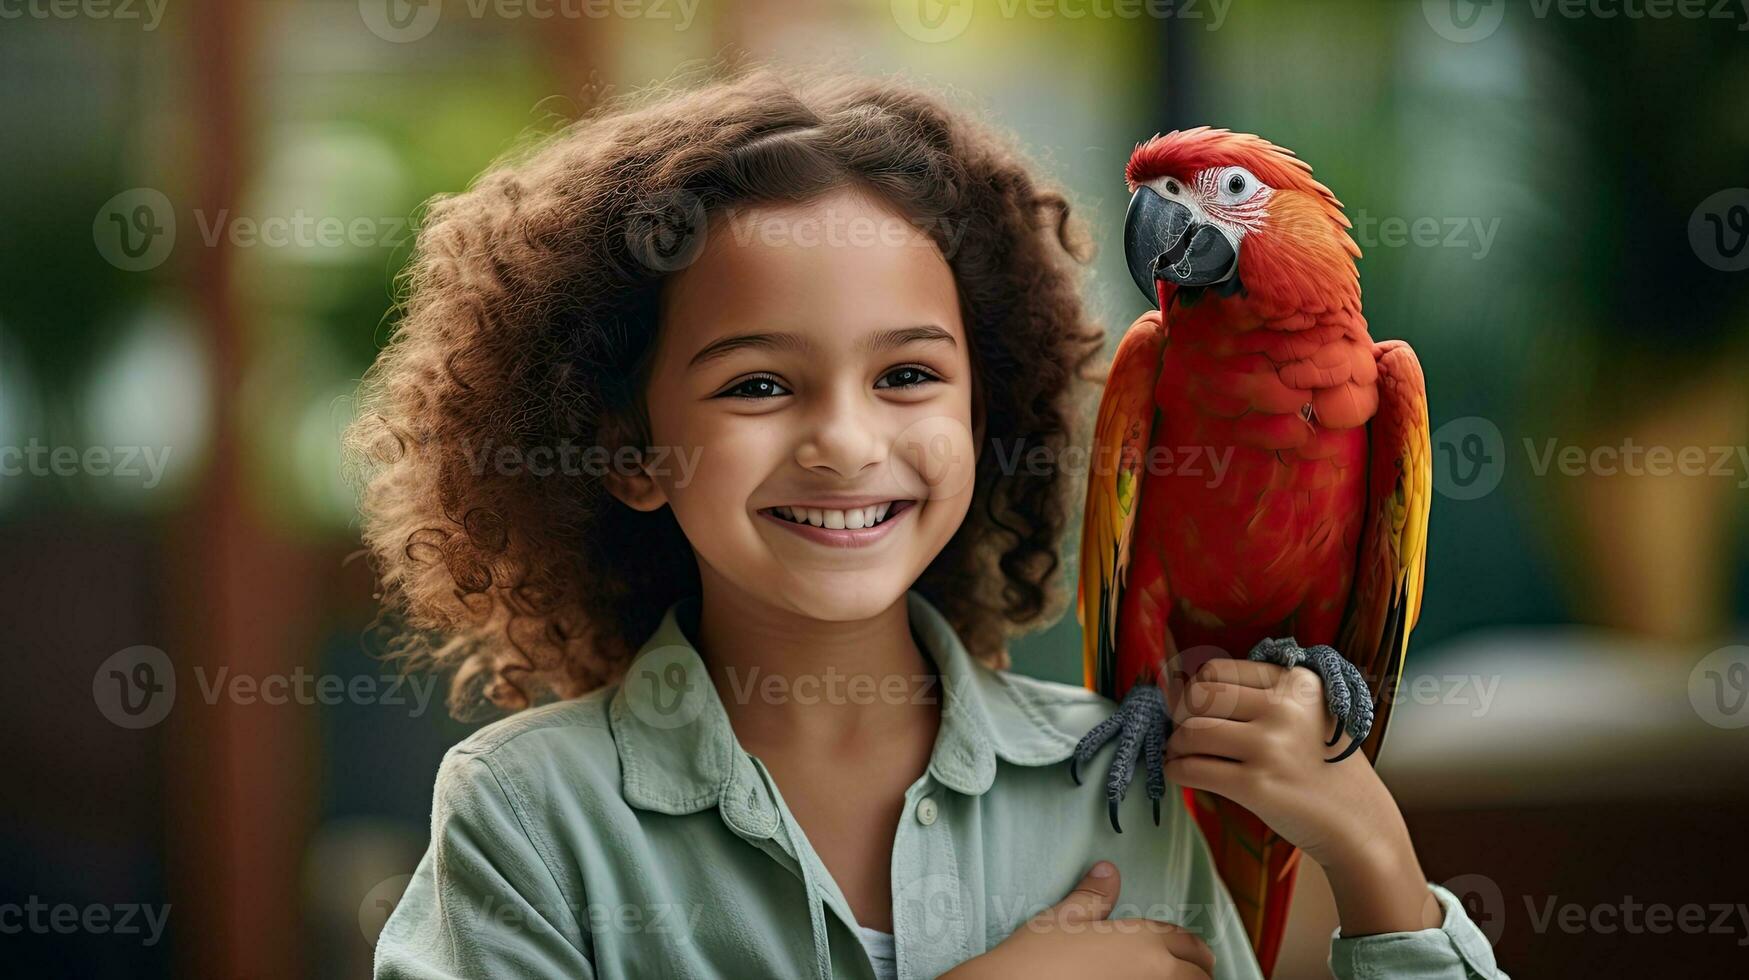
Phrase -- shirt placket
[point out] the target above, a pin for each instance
(932, 907)
(760, 818)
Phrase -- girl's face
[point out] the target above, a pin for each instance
(812, 369)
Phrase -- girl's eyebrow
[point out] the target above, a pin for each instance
(880, 340)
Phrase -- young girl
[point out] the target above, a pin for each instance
(716, 423)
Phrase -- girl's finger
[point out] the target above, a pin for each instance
(1205, 772)
(1188, 947)
(1222, 738)
(1246, 673)
(1218, 699)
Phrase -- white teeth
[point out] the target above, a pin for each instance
(854, 518)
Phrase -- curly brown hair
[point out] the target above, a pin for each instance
(530, 306)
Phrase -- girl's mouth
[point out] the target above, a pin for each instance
(848, 527)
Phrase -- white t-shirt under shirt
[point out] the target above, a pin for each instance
(880, 952)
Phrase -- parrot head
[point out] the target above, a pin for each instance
(1231, 213)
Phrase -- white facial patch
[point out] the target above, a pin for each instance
(1229, 198)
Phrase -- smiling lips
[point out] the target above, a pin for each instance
(846, 527)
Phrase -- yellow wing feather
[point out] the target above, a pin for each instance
(1120, 444)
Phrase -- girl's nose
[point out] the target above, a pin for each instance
(842, 435)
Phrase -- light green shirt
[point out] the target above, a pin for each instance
(627, 834)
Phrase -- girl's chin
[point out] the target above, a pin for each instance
(844, 597)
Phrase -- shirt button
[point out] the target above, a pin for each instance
(926, 811)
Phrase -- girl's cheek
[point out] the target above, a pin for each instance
(938, 457)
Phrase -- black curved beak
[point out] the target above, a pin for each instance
(1162, 244)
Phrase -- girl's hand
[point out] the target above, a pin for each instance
(1075, 938)
(1254, 733)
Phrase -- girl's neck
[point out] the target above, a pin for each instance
(787, 679)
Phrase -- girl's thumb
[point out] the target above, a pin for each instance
(1093, 898)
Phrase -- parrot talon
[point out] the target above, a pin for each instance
(1139, 725)
(1346, 694)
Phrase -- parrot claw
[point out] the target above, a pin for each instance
(1139, 725)
(1345, 691)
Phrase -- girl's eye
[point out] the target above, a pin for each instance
(758, 386)
(905, 377)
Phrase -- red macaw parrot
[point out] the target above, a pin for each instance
(1315, 530)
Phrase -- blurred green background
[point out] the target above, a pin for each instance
(205, 204)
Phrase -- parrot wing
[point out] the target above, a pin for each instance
(1386, 601)
(1114, 483)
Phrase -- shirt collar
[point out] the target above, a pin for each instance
(678, 753)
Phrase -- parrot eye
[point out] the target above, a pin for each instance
(1235, 184)
(1172, 187)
